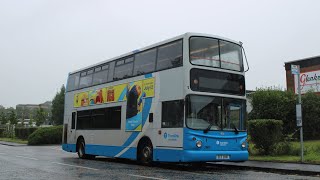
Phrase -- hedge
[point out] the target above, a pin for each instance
(46, 135)
(1, 132)
(24, 133)
(265, 134)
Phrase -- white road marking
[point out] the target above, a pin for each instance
(75, 166)
(146, 177)
(3, 153)
(56, 148)
(27, 158)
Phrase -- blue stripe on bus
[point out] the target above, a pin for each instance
(123, 94)
(164, 155)
(145, 113)
(69, 147)
(148, 75)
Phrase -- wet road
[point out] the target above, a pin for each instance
(50, 162)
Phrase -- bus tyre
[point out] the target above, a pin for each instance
(81, 149)
(146, 153)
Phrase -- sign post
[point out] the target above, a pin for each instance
(295, 70)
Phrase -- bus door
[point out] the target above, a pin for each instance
(72, 132)
(171, 130)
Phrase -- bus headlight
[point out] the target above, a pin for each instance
(243, 145)
(199, 144)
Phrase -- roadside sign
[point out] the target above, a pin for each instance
(295, 69)
(299, 115)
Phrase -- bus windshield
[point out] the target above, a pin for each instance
(215, 113)
(215, 53)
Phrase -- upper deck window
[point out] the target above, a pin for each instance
(100, 75)
(73, 82)
(215, 53)
(145, 62)
(230, 55)
(86, 78)
(123, 68)
(169, 55)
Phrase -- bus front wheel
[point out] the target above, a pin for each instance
(146, 153)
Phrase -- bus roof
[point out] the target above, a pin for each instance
(188, 34)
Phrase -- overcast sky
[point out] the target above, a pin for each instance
(41, 41)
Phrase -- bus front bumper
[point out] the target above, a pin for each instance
(167, 155)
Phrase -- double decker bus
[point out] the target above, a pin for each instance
(180, 100)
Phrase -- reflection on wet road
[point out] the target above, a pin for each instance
(50, 162)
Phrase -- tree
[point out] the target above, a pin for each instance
(58, 107)
(272, 103)
(12, 116)
(40, 117)
(3, 118)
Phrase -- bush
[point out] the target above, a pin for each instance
(272, 103)
(24, 133)
(2, 132)
(46, 135)
(265, 134)
(310, 116)
(282, 148)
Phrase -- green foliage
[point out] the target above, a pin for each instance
(2, 132)
(40, 116)
(46, 135)
(12, 117)
(265, 134)
(3, 118)
(282, 148)
(58, 107)
(9, 131)
(14, 140)
(274, 104)
(311, 153)
(23, 133)
(310, 116)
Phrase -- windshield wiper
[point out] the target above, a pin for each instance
(208, 128)
(236, 130)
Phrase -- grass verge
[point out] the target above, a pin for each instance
(14, 140)
(311, 154)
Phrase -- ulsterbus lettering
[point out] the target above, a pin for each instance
(171, 137)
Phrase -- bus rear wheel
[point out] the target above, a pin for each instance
(82, 152)
(81, 149)
(146, 153)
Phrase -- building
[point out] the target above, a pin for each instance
(26, 112)
(309, 75)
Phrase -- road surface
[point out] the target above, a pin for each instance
(50, 162)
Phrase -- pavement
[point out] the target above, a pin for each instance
(11, 143)
(290, 168)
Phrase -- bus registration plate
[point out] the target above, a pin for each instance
(222, 157)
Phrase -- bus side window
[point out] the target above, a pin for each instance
(169, 56)
(145, 62)
(172, 114)
(86, 78)
(73, 82)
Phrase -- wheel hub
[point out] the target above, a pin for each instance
(146, 152)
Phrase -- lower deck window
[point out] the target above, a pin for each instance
(104, 118)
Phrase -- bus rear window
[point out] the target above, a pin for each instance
(217, 82)
(73, 82)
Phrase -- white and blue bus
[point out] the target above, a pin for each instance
(180, 100)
